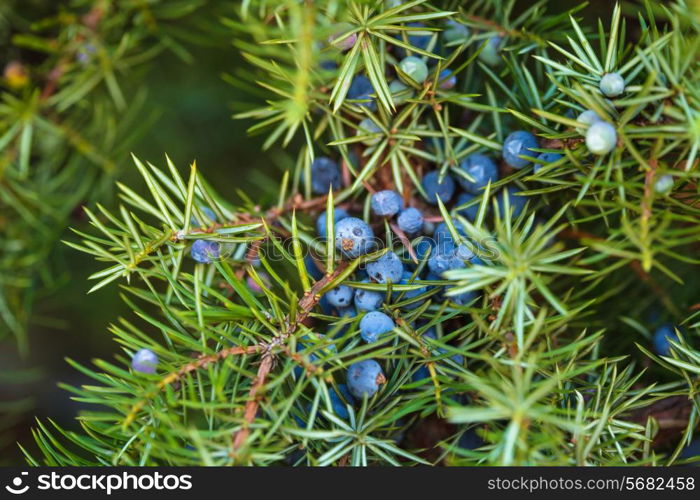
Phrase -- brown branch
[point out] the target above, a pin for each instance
(251, 407)
(306, 304)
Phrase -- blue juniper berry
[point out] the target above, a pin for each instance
(361, 89)
(517, 144)
(386, 268)
(435, 189)
(661, 338)
(410, 220)
(354, 237)
(364, 378)
(601, 138)
(340, 296)
(481, 169)
(325, 174)
(205, 251)
(338, 215)
(368, 300)
(545, 158)
(144, 361)
(612, 84)
(386, 203)
(374, 324)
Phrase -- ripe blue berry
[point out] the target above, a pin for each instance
(410, 220)
(516, 202)
(455, 33)
(312, 267)
(479, 167)
(364, 378)
(424, 246)
(491, 54)
(340, 296)
(601, 138)
(464, 298)
(368, 300)
(415, 68)
(447, 80)
(386, 203)
(367, 127)
(664, 184)
(386, 268)
(517, 144)
(204, 251)
(361, 90)
(374, 324)
(338, 215)
(612, 84)
(468, 212)
(545, 158)
(144, 361)
(325, 174)
(354, 237)
(339, 406)
(470, 440)
(661, 339)
(435, 189)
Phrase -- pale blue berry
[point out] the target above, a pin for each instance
(435, 189)
(400, 91)
(518, 144)
(367, 127)
(340, 296)
(601, 138)
(664, 184)
(325, 174)
(455, 33)
(491, 53)
(368, 300)
(410, 220)
(612, 84)
(144, 361)
(374, 324)
(364, 378)
(588, 118)
(386, 268)
(481, 169)
(386, 203)
(415, 68)
(354, 237)
(205, 251)
(338, 215)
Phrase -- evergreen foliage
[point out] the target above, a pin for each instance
(538, 337)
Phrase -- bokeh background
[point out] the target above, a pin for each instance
(195, 107)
